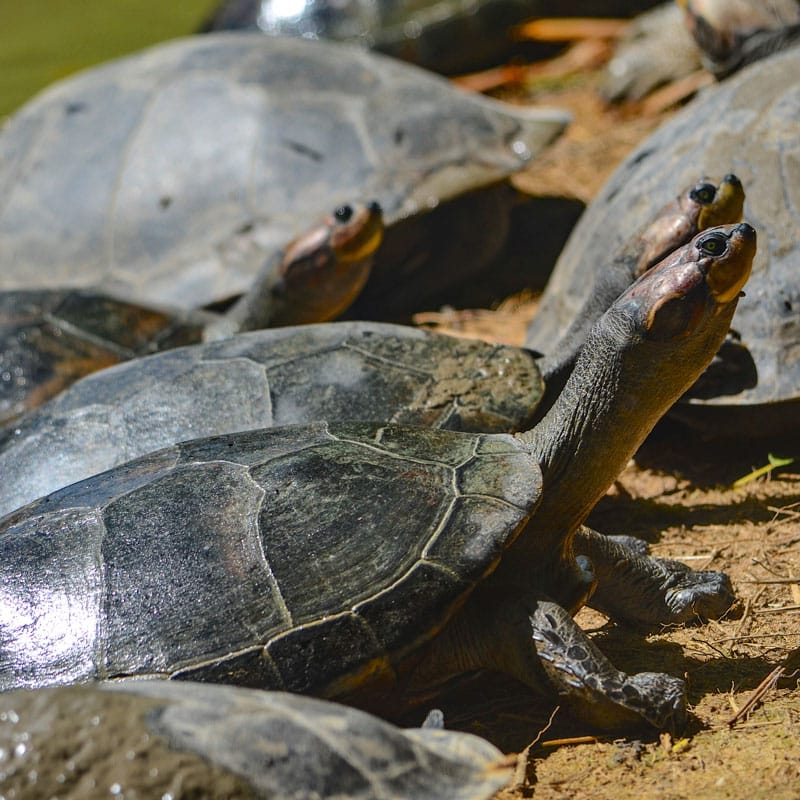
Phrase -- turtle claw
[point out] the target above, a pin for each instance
(638, 589)
(697, 595)
(593, 689)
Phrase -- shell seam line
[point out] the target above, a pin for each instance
(402, 456)
(255, 530)
(110, 244)
(101, 644)
(85, 336)
(381, 360)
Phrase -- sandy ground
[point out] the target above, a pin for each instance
(679, 496)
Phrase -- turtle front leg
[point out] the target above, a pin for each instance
(639, 589)
(538, 642)
(592, 687)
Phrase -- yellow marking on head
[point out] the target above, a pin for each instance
(728, 206)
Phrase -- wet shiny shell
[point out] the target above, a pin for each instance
(50, 338)
(151, 739)
(750, 125)
(339, 371)
(443, 35)
(169, 176)
(307, 558)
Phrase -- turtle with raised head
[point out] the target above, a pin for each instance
(360, 559)
(749, 122)
(50, 338)
(151, 739)
(341, 371)
(169, 176)
(701, 205)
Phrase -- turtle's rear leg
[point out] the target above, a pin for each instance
(639, 589)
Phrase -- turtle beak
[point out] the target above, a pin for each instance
(726, 277)
(728, 205)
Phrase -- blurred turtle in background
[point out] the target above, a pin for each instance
(656, 48)
(170, 176)
(446, 36)
(50, 338)
(734, 33)
(749, 122)
(160, 739)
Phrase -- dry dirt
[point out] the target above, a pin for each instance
(678, 495)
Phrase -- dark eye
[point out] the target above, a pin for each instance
(703, 194)
(713, 245)
(343, 213)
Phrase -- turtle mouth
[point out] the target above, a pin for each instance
(726, 276)
(728, 204)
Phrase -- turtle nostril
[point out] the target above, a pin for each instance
(374, 206)
(732, 179)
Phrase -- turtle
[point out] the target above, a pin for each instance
(332, 371)
(168, 176)
(338, 371)
(701, 205)
(750, 123)
(171, 739)
(371, 561)
(656, 48)
(51, 337)
(734, 33)
(446, 36)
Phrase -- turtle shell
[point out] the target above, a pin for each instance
(447, 36)
(339, 371)
(248, 559)
(223, 741)
(51, 338)
(169, 176)
(750, 125)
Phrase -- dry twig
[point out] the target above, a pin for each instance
(757, 695)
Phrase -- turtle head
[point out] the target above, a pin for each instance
(693, 286)
(640, 357)
(323, 270)
(702, 205)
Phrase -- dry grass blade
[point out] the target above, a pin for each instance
(780, 610)
(568, 29)
(570, 740)
(583, 55)
(676, 92)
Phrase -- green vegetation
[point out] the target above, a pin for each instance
(44, 40)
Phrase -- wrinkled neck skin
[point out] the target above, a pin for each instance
(257, 308)
(620, 387)
(609, 284)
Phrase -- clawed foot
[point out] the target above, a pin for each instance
(639, 589)
(593, 689)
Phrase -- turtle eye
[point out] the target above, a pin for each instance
(343, 213)
(713, 244)
(703, 194)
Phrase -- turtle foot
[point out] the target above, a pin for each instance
(695, 595)
(596, 691)
(638, 589)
